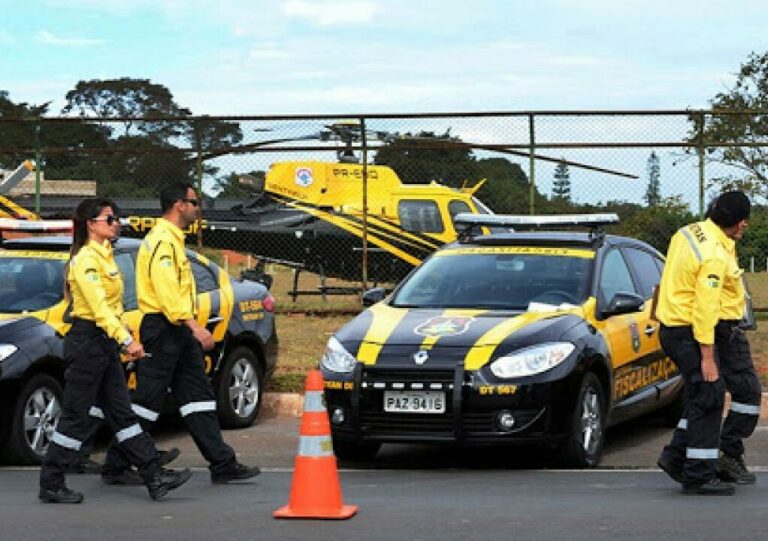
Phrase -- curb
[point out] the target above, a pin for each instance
(292, 405)
(282, 404)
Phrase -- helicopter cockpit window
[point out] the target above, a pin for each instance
(420, 216)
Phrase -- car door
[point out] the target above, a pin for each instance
(632, 338)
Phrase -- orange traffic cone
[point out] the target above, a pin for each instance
(315, 490)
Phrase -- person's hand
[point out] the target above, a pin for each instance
(203, 336)
(134, 350)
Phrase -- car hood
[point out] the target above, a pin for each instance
(10, 326)
(386, 334)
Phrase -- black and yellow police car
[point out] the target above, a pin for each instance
(33, 321)
(520, 337)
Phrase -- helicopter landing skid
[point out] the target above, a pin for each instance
(323, 289)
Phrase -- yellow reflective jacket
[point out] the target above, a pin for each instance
(692, 282)
(734, 300)
(96, 287)
(164, 281)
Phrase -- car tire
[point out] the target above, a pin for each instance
(39, 402)
(240, 386)
(587, 426)
(355, 452)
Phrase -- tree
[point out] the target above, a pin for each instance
(561, 187)
(656, 225)
(751, 163)
(653, 192)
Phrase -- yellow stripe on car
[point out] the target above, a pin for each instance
(385, 319)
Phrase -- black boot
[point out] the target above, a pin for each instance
(62, 495)
(166, 481)
(713, 487)
(236, 472)
(734, 470)
(166, 457)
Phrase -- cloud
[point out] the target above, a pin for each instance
(270, 51)
(331, 12)
(49, 38)
(6, 38)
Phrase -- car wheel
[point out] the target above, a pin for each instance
(349, 450)
(35, 414)
(240, 386)
(587, 426)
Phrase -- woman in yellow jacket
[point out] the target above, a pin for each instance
(92, 356)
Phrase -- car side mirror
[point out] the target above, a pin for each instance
(374, 295)
(624, 303)
(255, 275)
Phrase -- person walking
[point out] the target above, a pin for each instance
(690, 297)
(732, 346)
(165, 290)
(92, 355)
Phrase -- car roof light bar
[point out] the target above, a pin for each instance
(520, 221)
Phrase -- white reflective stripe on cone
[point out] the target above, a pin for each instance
(748, 409)
(315, 446)
(65, 441)
(701, 454)
(96, 412)
(683, 424)
(144, 413)
(128, 433)
(314, 401)
(197, 407)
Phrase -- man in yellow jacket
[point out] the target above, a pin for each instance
(175, 341)
(699, 261)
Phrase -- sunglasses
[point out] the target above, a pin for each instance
(110, 219)
(193, 202)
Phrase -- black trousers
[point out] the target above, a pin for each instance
(695, 443)
(742, 382)
(176, 363)
(94, 375)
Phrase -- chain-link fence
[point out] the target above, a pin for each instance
(363, 198)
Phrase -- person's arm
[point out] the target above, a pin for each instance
(706, 311)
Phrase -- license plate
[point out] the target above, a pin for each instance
(414, 401)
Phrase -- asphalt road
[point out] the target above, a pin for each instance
(408, 492)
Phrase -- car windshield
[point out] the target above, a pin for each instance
(500, 278)
(30, 283)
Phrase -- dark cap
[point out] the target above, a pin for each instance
(730, 208)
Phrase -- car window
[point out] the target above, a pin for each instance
(420, 216)
(128, 270)
(496, 278)
(615, 276)
(646, 270)
(204, 278)
(30, 283)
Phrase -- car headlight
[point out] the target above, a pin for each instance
(532, 360)
(6, 350)
(336, 358)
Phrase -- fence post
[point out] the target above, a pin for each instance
(532, 166)
(38, 162)
(199, 179)
(700, 151)
(364, 262)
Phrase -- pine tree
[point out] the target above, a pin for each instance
(653, 193)
(561, 187)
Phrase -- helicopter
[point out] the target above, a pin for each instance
(310, 216)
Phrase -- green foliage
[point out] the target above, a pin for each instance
(749, 93)
(656, 225)
(230, 186)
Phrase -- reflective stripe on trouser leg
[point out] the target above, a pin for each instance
(128, 433)
(682, 424)
(145, 413)
(96, 412)
(746, 409)
(66, 441)
(197, 407)
(701, 454)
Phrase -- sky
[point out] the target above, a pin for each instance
(343, 56)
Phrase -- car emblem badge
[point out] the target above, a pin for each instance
(444, 326)
(420, 357)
